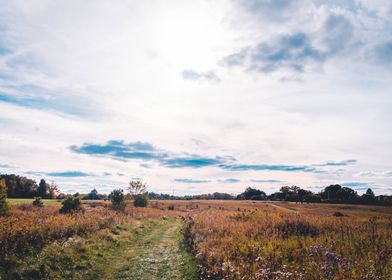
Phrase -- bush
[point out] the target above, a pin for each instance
(71, 204)
(170, 207)
(117, 198)
(338, 214)
(38, 202)
(140, 200)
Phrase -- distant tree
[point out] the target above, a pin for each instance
(38, 202)
(137, 187)
(117, 199)
(314, 198)
(290, 193)
(42, 189)
(138, 192)
(76, 194)
(277, 196)
(330, 192)
(71, 204)
(93, 195)
(61, 196)
(222, 196)
(251, 192)
(258, 197)
(370, 192)
(369, 196)
(19, 187)
(53, 191)
(303, 194)
(3, 198)
(346, 194)
(289, 189)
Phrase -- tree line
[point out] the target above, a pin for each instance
(330, 194)
(22, 187)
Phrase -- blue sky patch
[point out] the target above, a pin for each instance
(191, 181)
(68, 174)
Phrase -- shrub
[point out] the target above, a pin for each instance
(117, 198)
(38, 202)
(3, 198)
(140, 200)
(71, 204)
(170, 207)
(338, 214)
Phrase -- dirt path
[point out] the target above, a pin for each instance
(154, 252)
(283, 208)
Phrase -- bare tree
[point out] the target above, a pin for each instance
(53, 190)
(137, 187)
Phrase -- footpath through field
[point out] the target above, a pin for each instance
(154, 252)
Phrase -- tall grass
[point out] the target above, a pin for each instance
(28, 228)
(265, 244)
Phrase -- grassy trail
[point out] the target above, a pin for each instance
(146, 250)
(283, 208)
(154, 252)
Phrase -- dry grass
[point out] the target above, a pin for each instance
(28, 228)
(234, 239)
(273, 243)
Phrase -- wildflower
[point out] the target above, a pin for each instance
(346, 265)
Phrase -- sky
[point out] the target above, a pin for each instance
(197, 96)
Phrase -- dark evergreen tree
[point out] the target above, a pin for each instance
(370, 192)
(42, 189)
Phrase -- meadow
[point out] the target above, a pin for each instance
(204, 239)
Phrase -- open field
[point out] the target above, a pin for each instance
(288, 241)
(18, 201)
(201, 239)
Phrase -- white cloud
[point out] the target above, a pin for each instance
(73, 73)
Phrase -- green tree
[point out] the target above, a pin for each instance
(19, 187)
(370, 193)
(93, 195)
(117, 199)
(330, 192)
(369, 196)
(250, 193)
(3, 198)
(43, 188)
(346, 194)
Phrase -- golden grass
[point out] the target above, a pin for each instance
(290, 242)
(28, 228)
(233, 239)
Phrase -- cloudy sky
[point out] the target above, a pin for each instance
(197, 96)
